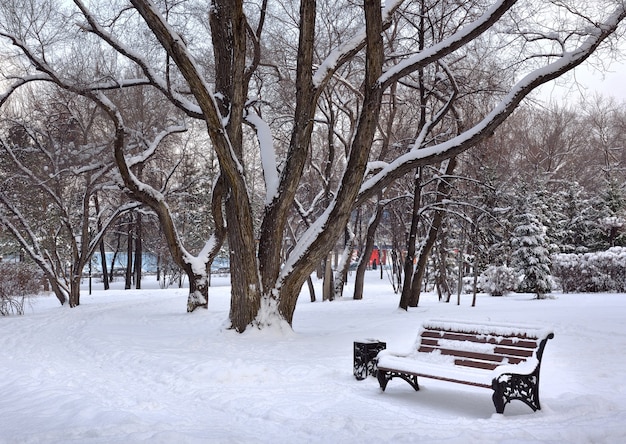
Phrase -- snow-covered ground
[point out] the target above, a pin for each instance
(132, 366)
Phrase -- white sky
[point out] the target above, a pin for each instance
(585, 83)
(588, 79)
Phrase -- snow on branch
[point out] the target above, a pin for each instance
(303, 212)
(153, 144)
(31, 175)
(500, 112)
(33, 248)
(175, 46)
(19, 82)
(348, 48)
(102, 231)
(448, 45)
(182, 103)
(199, 263)
(268, 155)
(332, 60)
(375, 165)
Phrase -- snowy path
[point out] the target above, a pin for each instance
(130, 367)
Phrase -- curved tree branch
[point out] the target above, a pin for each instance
(486, 127)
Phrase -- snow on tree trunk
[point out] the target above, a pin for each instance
(198, 291)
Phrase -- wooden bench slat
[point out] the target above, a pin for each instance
(499, 348)
(513, 352)
(477, 357)
(498, 353)
(520, 335)
(521, 343)
(464, 354)
(476, 364)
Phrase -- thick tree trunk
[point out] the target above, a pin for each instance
(245, 285)
(276, 213)
(407, 287)
(75, 277)
(198, 289)
(229, 34)
(59, 292)
(339, 212)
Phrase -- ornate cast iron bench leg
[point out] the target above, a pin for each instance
(510, 386)
(385, 376)
(383, 379)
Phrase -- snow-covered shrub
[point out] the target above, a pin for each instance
(603, 271)
(498, 280)
(17, 282)
(468, 285)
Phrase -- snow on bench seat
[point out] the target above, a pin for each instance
(446, 370)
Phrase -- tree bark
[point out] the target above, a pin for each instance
(128, 282)
(407, 287)
(74, 299)
(327, 286)
(343, 203)
(138, 260)
(228, 26)
(341, 274)
(103, 260)
(359, 279)
(443, 190)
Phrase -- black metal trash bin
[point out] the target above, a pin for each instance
(364, 353)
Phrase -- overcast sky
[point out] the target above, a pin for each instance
(588, 79)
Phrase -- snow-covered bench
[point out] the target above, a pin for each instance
(505, 358)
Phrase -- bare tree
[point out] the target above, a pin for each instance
(226, 93)
(50, 167)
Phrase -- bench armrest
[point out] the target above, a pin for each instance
(523, 368)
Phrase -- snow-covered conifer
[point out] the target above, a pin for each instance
(531, 255)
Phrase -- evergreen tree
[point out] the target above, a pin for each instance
(575, 230)
(531, 255)
(613, 220)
